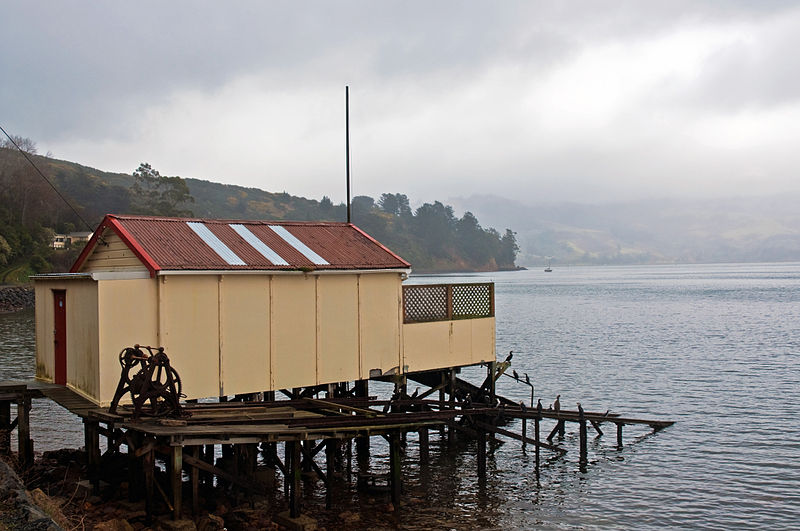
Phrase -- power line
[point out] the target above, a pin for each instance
(35, 167)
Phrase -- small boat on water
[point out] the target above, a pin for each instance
(548, 269)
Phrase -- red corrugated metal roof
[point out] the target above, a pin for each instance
(208, 244)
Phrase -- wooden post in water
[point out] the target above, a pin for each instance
(194, 476)
(536, 438)
(294, 482)
(481, 456)
(395, 474)
(423, 446)
(176, 469)
(330, 465)
(24, 430)
(91, 438)
(619, 436)
(582, 434)
(5, 425)
(362, 443)
(524, 433)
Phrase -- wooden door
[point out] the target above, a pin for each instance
(60, 335)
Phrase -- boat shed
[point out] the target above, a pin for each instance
(250, 306)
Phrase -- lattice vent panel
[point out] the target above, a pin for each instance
(425, 303)
(471, 300)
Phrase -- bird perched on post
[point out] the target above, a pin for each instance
(510, 355)
(515, 375)
(539, 406)
(557, 404)
(522, 406)
(527, 380)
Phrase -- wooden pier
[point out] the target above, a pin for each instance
(305, 423)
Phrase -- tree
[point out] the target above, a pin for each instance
(159, 195)
(25, 144)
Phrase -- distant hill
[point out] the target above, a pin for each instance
(758, 229)
(431, 237)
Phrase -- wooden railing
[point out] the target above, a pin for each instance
(446, 302)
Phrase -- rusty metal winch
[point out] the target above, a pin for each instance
(156, 382)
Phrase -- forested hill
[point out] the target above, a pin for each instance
(431, 237)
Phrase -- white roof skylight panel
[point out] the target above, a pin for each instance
(215, 243)
(289, 238)
(258, 245)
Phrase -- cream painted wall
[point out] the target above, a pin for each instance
(440, 344)
(244, 334)
(82, 327)
(380, 318)
(128, 314)
(293, 337)
(337, 328)
(189, 330)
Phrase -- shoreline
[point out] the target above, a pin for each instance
(16, 298)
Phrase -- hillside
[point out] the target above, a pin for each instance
(431, 237)
(759, 229)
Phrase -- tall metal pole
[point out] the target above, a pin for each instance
(347, 143)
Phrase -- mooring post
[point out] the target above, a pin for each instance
(481, 456)
(561, 428)
(395, 475)
(619, 435)
(362, 443)
(176, 469)
(91, 437)
(536, 438)
(423, 446)
(442, 388)
(524, 433)
(287, 465)
(294, 490)
(24, 430)
(330, 465)
(451, 432)
(5, 425)
(194, 477)
(582, 434)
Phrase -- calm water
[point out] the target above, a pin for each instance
(713, 347)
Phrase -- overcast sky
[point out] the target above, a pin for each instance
(587, 101)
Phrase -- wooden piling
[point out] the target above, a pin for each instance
(424, 445)
(361, 389)
(481, 456)
(176, 469)
(24, 430)
(91, 436)
(395, 474)
(524, 433)
(582, 435)
(294, 478)
(330, 465)
(536, 438)
(5, 427)
(194, 478)
(619, 435)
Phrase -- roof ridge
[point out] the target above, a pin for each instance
(227, 221)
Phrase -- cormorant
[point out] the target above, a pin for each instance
(515, 375)
(539, 406)
(510, 355)
(522, 406)
(527, 380)
(557, 404)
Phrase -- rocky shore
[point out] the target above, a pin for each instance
(15, 298)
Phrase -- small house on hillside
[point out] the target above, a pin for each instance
(249, 306)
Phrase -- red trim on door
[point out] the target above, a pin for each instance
(60, 335)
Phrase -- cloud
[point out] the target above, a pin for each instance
(585, 101)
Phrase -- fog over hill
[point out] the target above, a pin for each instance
(751, 229)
